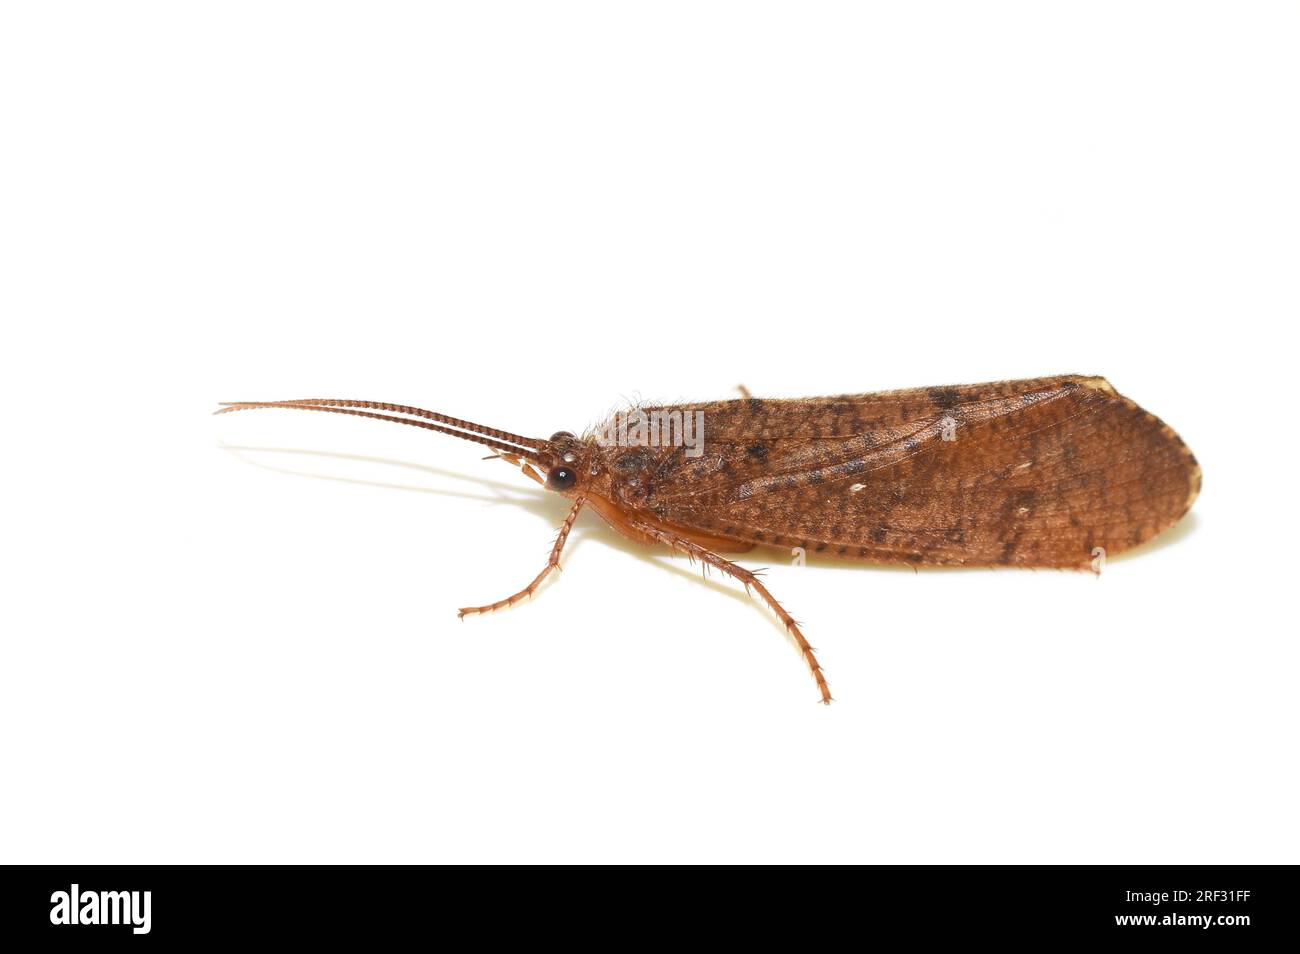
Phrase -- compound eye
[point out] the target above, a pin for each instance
(560, 435)
(561, 478)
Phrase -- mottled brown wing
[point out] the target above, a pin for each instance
(851, 415)
(1029, 473)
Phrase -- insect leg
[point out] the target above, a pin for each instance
(551, 564)
(751, 581)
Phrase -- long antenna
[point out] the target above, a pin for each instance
(516, 444)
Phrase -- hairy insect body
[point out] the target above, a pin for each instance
(1045, 472)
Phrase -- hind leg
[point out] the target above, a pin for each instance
(751, 581)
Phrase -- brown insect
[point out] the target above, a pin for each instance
(1048, 472)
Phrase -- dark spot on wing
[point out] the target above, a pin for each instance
(944, 398)
(633, 460)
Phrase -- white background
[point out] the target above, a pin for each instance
(525, 214)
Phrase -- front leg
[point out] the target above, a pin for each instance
(551, 564)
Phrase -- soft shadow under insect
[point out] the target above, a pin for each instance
(540, 505)
(505, 493)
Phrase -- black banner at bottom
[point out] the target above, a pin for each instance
(143, 905)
